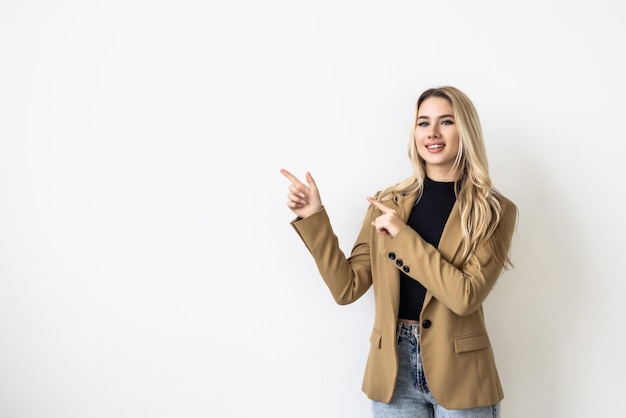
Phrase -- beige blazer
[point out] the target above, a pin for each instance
(456, 353)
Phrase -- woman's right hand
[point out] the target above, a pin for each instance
(303, 200)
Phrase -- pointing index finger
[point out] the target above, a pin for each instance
(379, 205)
(291, 177)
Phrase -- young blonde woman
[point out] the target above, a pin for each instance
(432, 247)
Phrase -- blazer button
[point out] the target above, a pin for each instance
(427, 323)
(392, 256)
(399, 262)
(406, 269)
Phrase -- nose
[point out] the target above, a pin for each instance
(434, 131)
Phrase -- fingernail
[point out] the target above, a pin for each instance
(301, 195)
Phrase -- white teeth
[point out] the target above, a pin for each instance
(434, 146)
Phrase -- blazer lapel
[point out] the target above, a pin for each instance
(452, 237)
(405, 205)
(451, 240)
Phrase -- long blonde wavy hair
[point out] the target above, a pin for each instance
(478, 200)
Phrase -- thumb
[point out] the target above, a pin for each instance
(309, 179)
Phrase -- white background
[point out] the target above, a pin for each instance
(147, 265)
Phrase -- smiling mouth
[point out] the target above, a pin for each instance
(435, 146)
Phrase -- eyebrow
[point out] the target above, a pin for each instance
(440, 117)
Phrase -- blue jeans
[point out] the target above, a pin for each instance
(411, 396)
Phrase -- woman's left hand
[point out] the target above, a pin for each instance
(389, 223)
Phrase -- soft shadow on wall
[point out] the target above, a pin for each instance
(535, 308)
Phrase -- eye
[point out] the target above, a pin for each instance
(422, 124)
(447, 122)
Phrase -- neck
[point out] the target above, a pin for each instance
(442, 175)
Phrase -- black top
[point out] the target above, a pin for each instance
(428, 218)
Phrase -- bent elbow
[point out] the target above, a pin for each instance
(347, 295)
(466, 307)
(465, 310)
(342, 302)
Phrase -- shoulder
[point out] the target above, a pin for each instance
(508, 210)
(506, 203)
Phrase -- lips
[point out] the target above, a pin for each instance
(435, 145)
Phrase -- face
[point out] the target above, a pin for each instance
(437, 138)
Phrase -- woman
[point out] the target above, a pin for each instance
(432, 246)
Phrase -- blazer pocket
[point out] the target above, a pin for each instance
(376, 339)
(471, 343)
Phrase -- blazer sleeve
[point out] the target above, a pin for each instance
(347, 278)
(461, 288)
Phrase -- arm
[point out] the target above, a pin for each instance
(462, 288)
(347, 279)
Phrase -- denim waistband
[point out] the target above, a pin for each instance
(407, 330)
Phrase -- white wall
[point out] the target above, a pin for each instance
(147, 267)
